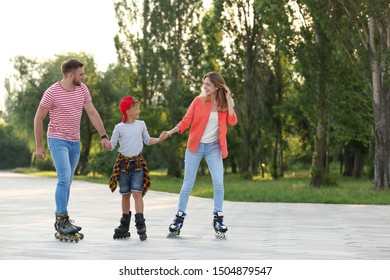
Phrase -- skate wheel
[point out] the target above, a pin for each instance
(79, 236)
(173, 234)
(220, 235)
(143, 237)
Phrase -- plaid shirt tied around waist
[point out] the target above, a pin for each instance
(139, 162)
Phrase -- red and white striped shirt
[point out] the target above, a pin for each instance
(65, 110)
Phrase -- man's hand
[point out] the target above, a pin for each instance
(40, 153)
(106, 144)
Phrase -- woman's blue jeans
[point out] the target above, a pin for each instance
(212, 153)
(66, 155)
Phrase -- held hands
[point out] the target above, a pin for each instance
(164, 135)
(106, 144)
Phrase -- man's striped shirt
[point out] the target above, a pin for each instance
(65, 110)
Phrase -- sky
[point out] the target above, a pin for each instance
(42, 28)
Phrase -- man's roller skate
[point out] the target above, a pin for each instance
(218, 225)
(65, 231)
(174, 228)
(122, 231)
(140, 225)
(78, 228)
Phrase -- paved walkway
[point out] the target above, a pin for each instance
(257, 231)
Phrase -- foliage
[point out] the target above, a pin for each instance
(14, 151)
(300, 73)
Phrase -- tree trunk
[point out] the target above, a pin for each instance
(348, 160)
(381, 101)
(358, 162)
(318, 165)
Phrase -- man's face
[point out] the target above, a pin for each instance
(78, 76)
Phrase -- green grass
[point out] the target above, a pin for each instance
(291, 189)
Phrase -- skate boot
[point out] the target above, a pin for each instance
(140, 225)
(64, 231)
(70, 222)
(122, 231)
(174, 228)
(218, 225)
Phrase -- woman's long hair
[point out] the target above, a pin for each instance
(220, 96)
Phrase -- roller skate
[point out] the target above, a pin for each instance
(70, 222)
(218, 225)
(174, 228)
(64, 230)
(140, 225)
(122, 231)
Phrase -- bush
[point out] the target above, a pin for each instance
(101, 163)
(14, 151)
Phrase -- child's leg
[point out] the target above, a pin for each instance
(138, 202)
(126, 203)
(139, 216)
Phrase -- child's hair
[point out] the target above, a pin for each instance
(135, 102)
(220, 97)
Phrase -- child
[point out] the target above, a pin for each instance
(208, 116)
(130, 167)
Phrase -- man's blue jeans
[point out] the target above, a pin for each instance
(66, 155)
(212, 153)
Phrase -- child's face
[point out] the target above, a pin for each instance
(133, 112)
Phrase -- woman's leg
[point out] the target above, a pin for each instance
(214, 161)
(191, 165)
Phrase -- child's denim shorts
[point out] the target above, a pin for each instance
(131, 181)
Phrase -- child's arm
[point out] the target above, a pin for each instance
(161, 138)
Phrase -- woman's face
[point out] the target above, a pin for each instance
(208, 87)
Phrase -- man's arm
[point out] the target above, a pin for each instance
(40, 115)
(97, 122)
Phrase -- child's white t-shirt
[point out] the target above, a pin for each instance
(131, 137)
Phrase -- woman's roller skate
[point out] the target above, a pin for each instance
(140, 225)
(174, 228)
(65, 231)
(122, 231)
(218, 225)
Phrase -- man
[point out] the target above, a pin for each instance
(64, 101)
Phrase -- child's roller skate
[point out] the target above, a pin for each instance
(122, 231)
(140, 225)
(64, 230)
(78, 228)
(174, 228)
(218, 225)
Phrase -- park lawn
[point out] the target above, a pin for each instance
(291, 189)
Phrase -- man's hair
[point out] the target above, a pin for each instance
(71, 65)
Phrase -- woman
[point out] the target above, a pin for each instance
(208, 116)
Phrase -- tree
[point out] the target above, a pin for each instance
(246, 68)
(371, 39)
